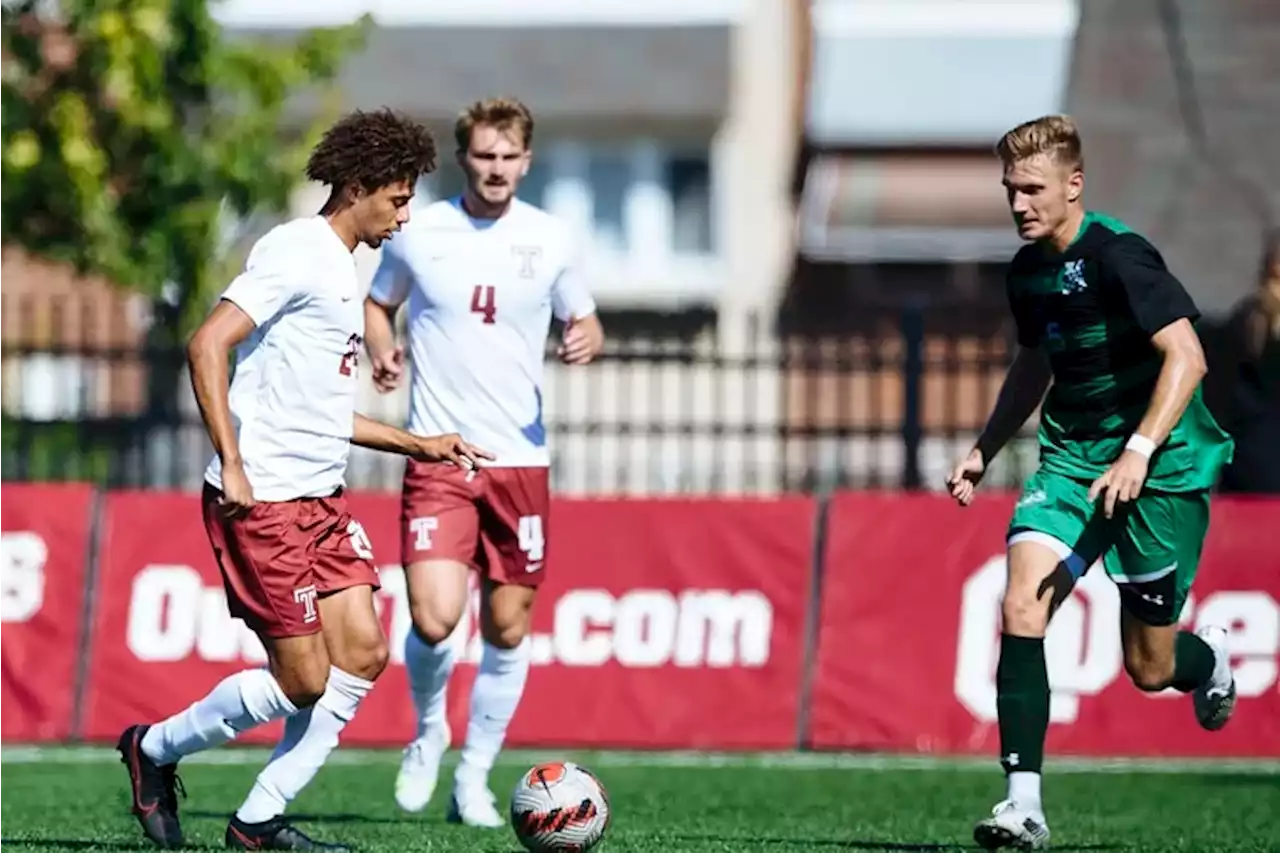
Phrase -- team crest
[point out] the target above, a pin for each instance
(527, 254)
(1073, 277)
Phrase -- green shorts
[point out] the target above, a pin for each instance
(1150, 548)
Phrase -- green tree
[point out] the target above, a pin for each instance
(134, 132)
(133, 127)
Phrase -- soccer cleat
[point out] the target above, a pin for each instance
(420, 768)
(475, 806)
(274, 834)
(154, 790)
(1011, 826)
(1216, 699)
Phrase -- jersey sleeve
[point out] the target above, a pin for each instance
(1027, 336)
(1154, 295)
(271, 280)
(390, 284)
(570, 296)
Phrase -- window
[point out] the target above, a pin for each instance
(609, 176)
(690, 181)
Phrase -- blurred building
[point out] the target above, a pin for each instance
(666, 136)
(901, 216)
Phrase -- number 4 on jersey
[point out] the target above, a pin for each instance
(483, 302)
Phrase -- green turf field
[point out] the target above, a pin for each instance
(75, 800)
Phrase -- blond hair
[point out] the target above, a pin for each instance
(502, 114)
(1054, 135)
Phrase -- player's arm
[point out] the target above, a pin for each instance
(208, 353)
(267, 287)
(572, 302)
(1163, 309)
(1022, 391)
(450, 448)
(389, 288)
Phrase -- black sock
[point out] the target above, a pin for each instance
(1022, 701)
(1193, 662)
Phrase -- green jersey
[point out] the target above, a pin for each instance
(1094, 309)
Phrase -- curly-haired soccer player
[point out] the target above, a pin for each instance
(296, 566)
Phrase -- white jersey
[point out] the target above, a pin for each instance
(481, 293)
(293, 396)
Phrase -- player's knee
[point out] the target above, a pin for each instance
(303, 685)
(1148, 673)
(1024, 614)
(369, 658)
(505, 636)
(432, 626)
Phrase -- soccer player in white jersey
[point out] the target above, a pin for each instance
(482, 274)
(296, 566)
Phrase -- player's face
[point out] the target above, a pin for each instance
(1040, 191)
(383, 211)
(494, 163)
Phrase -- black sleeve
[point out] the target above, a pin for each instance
(1153, 294)
(1027, 333)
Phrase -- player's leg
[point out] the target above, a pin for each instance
(439, 531)
(288, 626)
(357, 653)
(1049, 538)
(513, 532)
(1154, 565)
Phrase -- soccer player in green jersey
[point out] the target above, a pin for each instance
(1128, 455)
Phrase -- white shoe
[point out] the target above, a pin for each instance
(1215, 700)
(475, 805)
(420, 768)
(1011, 826)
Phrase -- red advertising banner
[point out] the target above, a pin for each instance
(661, 624)
(909, 636)
(45, 535)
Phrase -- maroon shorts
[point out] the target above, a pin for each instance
(493, 519)
(280, 558)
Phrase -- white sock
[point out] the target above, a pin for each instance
(429, 670)
(309, 736)
(494, 698)
(1024, 790)
(240, 702)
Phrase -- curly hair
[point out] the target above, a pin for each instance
(372, 150)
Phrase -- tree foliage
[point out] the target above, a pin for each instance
(132, 127)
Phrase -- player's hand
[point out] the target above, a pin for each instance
(388, 369)
(237, 494)
(965, 477)
(450, 449)
(581, 343)
(1121, 483)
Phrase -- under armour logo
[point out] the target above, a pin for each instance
(306, 596)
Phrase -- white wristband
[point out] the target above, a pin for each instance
(1140, 444)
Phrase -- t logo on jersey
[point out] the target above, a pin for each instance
(526, 254)
(1073, 277)
(351, 358)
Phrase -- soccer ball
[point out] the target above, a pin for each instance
(559, 806)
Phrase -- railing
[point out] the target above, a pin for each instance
(667, 409)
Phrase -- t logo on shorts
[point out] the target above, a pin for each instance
(306, 596)
(422, 527)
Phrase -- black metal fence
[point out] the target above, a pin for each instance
(678, 404)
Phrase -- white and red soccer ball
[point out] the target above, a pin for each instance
(559, 806)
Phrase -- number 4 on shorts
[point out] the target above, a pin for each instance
(529, 534)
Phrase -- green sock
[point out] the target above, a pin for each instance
(1193, 662)
(1022, 701)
